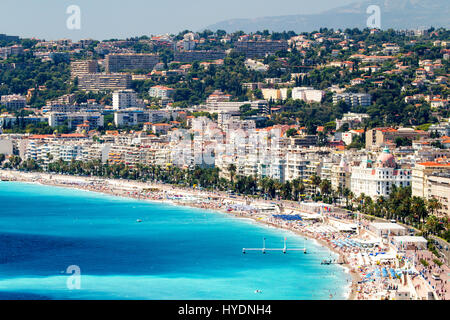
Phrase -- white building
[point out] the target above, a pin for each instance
(353, 99)
(123, 99)
(189, 41)
(352, 119)
(132, 117)
(161, 92)
(73, 119)
(376, 179)
(410, 242)
(387, 229)
(234, 106)
(307, 94)
(340, 175)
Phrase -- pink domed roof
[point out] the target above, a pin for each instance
(386, 159)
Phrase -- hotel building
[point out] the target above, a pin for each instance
(376, 179)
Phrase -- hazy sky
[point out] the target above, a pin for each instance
(106, 19)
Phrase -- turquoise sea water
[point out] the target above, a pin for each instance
(174, 253)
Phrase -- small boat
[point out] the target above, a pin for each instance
(138, 220)
(258, 291)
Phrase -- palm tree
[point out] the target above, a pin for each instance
(315, 181)
(325, 187)
(232, 172)
(15, 161)
(277, 185)
(360, 200)
(346, 192)
(351, 196)
(299, 188)
(418, 208)
(433, 205)
(286, 190)
(432, 225)
(263, 184)
(271, 188)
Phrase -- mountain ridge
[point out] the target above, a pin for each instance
(396, 14)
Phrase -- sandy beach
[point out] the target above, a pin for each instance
(358, 261)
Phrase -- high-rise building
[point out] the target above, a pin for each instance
(254, 49)
(130, 61)
(132, 117)
(79, 68)
(340, 175)
(123, 99)
(199, 55)
(420, 174)
(438, 187)
(104, 81)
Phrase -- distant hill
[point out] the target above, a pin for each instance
(396, 14)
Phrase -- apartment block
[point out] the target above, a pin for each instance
(198, 55)
(104, 81)
(307, 94)
(274, 94)
(6, 121)
(438, 187)
(353, 99)
(230, 106)
(5, 52)
(130, 61)
(79, 68)
(378, 137)
(161, 92)
(74, 119)
(123, 99)
(67, 99)
(13, 101)
(132, 117)
(421, 173)
(253, 49)
(352, 119)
